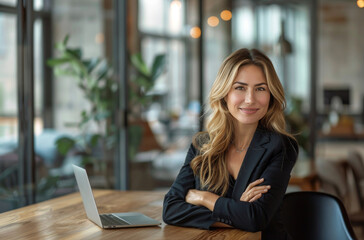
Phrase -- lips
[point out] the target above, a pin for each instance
(249, 110)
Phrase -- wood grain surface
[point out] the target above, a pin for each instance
(65, 218)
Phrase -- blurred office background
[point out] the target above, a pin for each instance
(119, 87)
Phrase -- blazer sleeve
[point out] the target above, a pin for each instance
(255, 216)
(176, 211)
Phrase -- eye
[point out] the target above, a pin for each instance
(261, 89)
(240, 88)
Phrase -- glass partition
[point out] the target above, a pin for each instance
(161, 127)
(79, 126)
(9, 164)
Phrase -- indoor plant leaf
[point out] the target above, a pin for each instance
(91, 64)
(64, 144)
(139, 64)
(94, 139)
(158, 66)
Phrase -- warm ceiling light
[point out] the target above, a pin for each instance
(176, 4)
(360, 3)
(99, 38)
(213, 21)
(195, 32)
(226, 15)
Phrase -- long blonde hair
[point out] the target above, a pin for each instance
(210, 164)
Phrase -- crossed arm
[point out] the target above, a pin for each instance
(208, 199)
(187, 206)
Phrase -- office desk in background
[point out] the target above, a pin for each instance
(65, 218)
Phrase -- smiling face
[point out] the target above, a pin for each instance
(249, 96)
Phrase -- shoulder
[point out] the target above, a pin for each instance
(200, 139)
(282, 143)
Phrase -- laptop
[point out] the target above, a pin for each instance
(110, 220)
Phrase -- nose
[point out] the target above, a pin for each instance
(249, 97)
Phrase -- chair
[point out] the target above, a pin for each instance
(357, 165)
(334, 179)
(315, 216)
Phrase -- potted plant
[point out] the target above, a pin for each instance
(95, 78)
(142, 82)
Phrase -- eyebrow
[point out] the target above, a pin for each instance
(245, 84)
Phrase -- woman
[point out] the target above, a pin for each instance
(236, 173)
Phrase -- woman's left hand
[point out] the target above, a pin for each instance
(202, 198)
(194, 197)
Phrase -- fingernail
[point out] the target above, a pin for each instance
(261, 179)
(268, 186)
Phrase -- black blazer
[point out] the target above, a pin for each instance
(270, 156)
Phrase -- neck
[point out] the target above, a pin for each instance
(243, 135)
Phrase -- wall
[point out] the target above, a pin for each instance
(341, 50)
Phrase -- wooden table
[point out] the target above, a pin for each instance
(65, 218)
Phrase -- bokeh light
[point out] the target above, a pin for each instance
(195, 32)
(226, 15)
(213, 21)
(360, 3)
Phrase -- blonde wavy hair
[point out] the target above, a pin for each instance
(210, 164)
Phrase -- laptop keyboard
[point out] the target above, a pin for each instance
(111, 220)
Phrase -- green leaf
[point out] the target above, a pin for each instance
(91, 64)
(64, 144)
(158, 66)
(103, 71)
(139, 64)
(64, 72)
(94, 139)
(143, 82)
(65, 40)
(60, 46)
(85, 117)
(79, 68)
(75, 52)
(87, 160)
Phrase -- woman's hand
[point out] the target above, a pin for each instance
(202, 198)
(194, 197)
(254, 192)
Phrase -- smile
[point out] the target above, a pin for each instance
(249, 110)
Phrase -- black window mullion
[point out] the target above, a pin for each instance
(121, 166)
(47, 40)
(29, 101)
(201, 62)
(25, 78)
(21, 115)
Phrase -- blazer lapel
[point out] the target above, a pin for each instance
(251, 160)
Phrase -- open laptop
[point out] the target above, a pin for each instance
(110, 220)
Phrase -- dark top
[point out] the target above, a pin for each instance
(270, 156)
